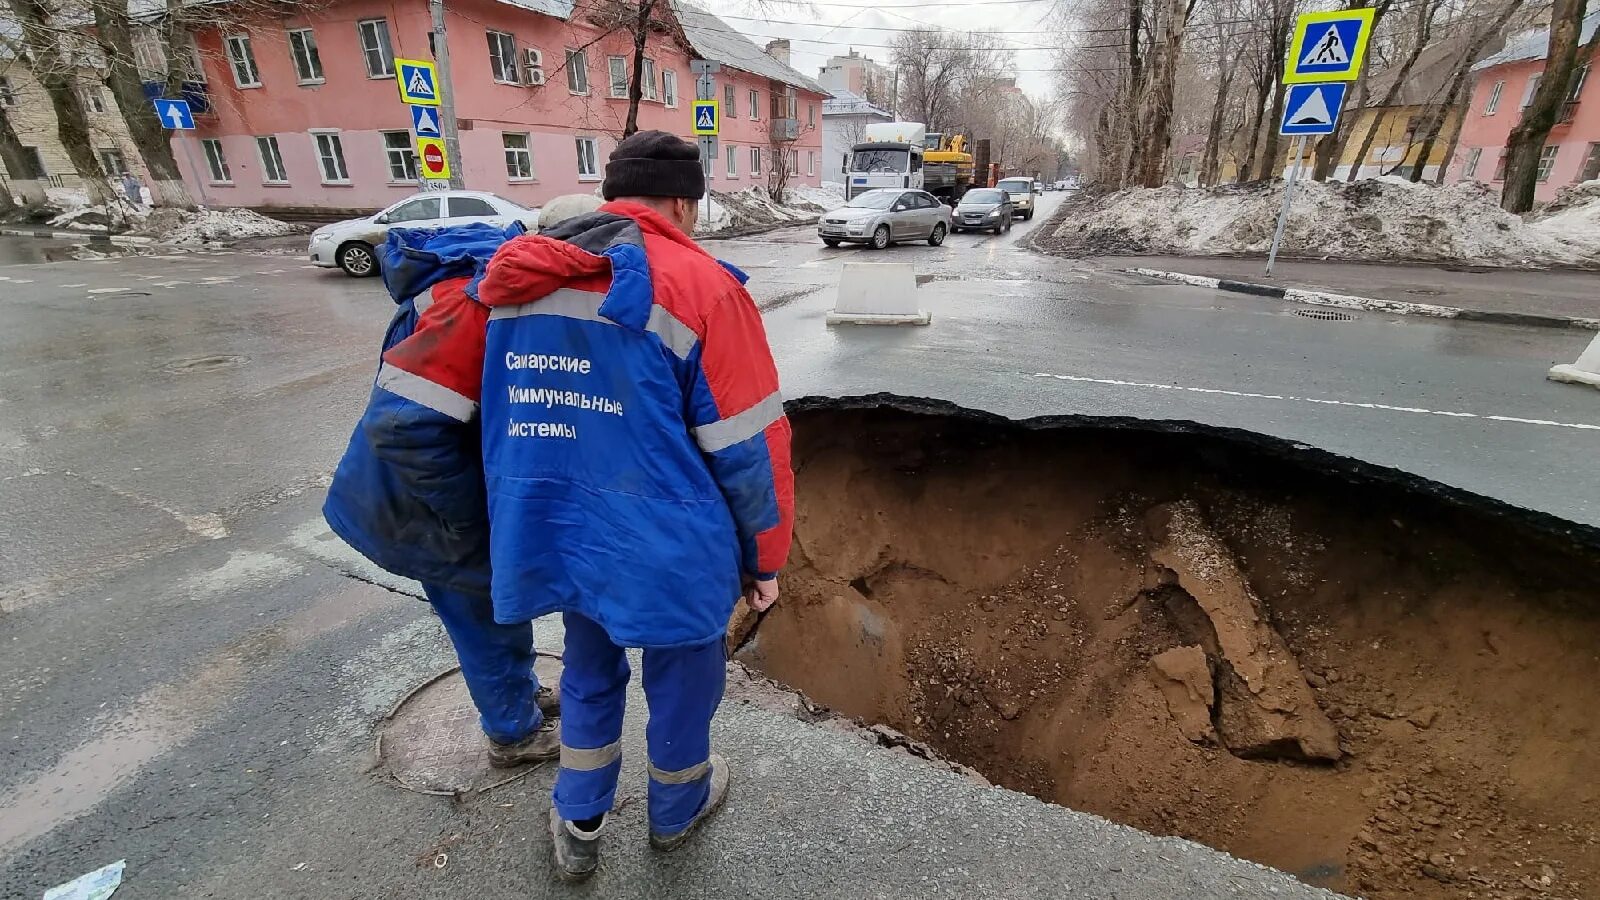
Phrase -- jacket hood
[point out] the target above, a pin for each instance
(416, 259)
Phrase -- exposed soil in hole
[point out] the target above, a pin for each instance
(1376, 689)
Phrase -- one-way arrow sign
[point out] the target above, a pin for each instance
(175, 115)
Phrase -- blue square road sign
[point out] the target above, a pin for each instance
(706, 117)
(425, 121)
(419, 82)
(175, 115)
(1312, 108)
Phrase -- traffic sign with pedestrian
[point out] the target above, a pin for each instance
(706, 118)
(419, 82)
(175, 115)
(432, 158)
(1312, 108)
(425, 122)
(1329, 46)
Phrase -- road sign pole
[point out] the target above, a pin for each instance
(1288, 198)
(705, 88)
(447, 96)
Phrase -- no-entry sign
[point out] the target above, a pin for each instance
(435, 162)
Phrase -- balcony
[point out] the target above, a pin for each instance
(784, 130)
(1569, 109)
(193, 91)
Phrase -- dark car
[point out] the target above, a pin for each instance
(983, 209)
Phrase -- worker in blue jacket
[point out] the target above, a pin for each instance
(414, 503)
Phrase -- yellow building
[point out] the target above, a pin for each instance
(28, 107)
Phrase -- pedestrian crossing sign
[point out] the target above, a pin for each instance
(706, 118)
(1329, 46)
(419, 82)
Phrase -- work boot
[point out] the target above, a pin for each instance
(577, 851)
(548, 699)
(714, 798)
(542, 745)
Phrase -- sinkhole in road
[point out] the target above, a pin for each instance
(1374, 682)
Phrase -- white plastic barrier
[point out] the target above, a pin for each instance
(877, 294)
(1585, 371)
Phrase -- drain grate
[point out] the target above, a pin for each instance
(1324, 315)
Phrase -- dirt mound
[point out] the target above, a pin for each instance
(1023, 602)
(1372, 220)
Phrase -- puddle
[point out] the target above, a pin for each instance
(1376, 687)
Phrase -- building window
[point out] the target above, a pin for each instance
(1494, 98)
(113, 162)
(733, 161)
(794, 162)
(1591, 164)
(755, 106)
(330, 155)
(588, 158)
(503, 57)
(755, 161)
(307, 62)
(217, 161)
(242, 59)
(272, 171)
(619, 76)
(647, 81)
(519, 156)
(1500, 166)
(375, 47)
(811, 162)
(577, 72)
(669, 88)
(1471, 168)
(793, 111)
(34, 164)
(402, 157)
(1531, 89)
(93, 99)
(811, 114)
(1579, 76)
(729, 98)
(1547, 161)
(7, 95)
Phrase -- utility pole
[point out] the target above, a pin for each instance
(447, 101)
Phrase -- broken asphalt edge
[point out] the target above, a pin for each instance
(1346, 301)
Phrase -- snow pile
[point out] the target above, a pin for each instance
(77, 212)
(186, 228)
(1574, 216)
(754, 208)
(1379, 219)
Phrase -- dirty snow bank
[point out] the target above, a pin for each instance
(184, 228)
(754, 208)
(75, 210)
(1574, 216)
(1379, 219)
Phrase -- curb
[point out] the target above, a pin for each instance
(1345, 301)
(92, 236)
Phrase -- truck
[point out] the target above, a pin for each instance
(908, 155)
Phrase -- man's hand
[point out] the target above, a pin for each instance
(760, 595)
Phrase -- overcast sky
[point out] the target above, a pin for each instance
(826, 28)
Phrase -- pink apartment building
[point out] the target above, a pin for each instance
(305, 112)
(1504, 84)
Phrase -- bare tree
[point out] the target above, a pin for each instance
(24, 186)
(1153, 116)
(1526, 143)
(114, 30)
(1328, 147)
(1279, 26)
(1422, 36)
(53, 64)
(944, 74)
(1459, 79)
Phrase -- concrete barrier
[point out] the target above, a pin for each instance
(1585, 371)
(877, 294)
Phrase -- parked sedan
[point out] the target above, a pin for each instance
(351, 244)
(883, 216)
(983, 209)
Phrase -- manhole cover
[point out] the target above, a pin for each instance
(1430, 292)
(204, 364)
(1324, 315)
(431, 741)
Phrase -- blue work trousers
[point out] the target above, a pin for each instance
(496, 661)
(682, 686)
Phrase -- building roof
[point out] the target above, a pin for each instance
(711, 38)
(849, 103)
(561, 9)
(1535, 44)
(1428, 80)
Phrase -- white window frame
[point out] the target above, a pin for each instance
(648, 88)
(593, 158)
(732, 165)
(1531, 88)
(264, 143)
(1591, 159)
(618, 92)
(402, 157)
(237, 44)
(730, 98)
(755, 162)
(93, 100)
(384, 48)
(578, 72)
(669, 88)
(523, 152)
(216, 161)
(337, 145)
(307, 60)
(106, 155)
(499, 58)
(1548, 154)
(811, 163)
(1492, 105)
(1580, 76)
(1474, 156)
(755, 106)
(811, 115)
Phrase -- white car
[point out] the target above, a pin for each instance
(352, 244)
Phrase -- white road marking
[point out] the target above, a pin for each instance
(1516, 420)
(106, 290)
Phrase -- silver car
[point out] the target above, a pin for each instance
(883, 216)
(351, 244)
(983, 209)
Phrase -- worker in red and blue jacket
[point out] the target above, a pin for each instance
(409, 496)
(636, 459)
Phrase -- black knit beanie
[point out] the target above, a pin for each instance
(654, 164)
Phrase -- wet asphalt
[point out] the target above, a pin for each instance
(190, 676)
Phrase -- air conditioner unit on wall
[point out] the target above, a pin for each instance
(533, 77)
(533, 66)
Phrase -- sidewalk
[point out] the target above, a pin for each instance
(1482, 293)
